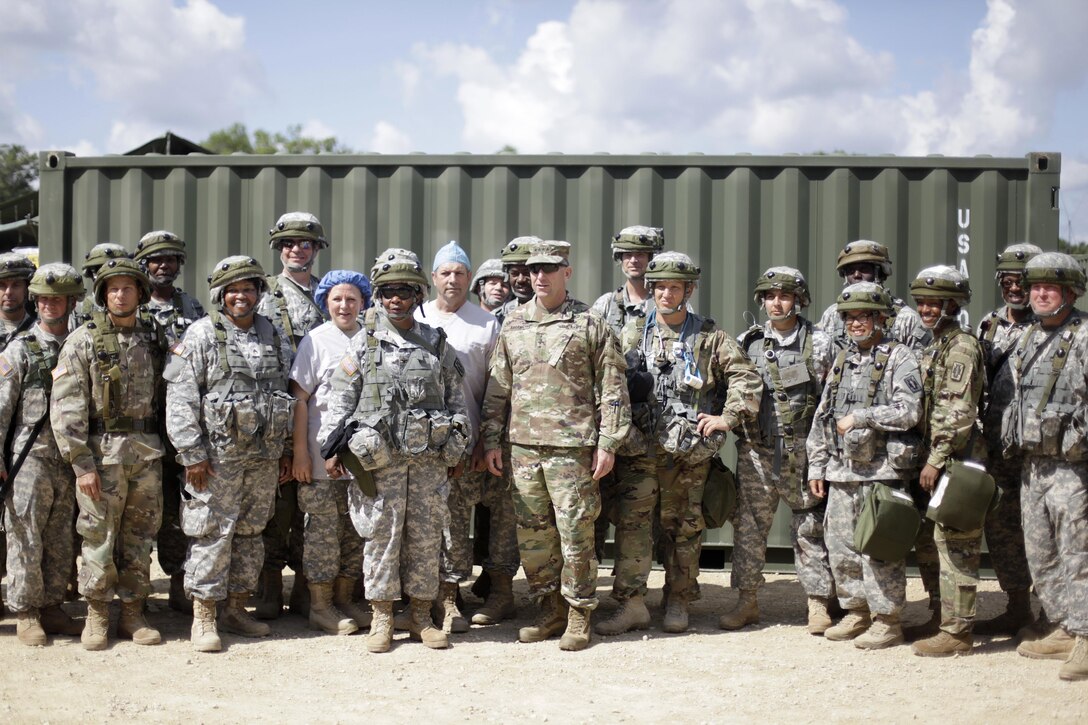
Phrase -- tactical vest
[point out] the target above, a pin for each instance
(616, 313)
(859, 444)
(280, 299)
(177, 324)
(40, 363)
(7, 337)
(107, 363)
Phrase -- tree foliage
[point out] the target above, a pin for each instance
(18, 171)
(237, 138)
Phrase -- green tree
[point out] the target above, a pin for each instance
(237, 138)
(1080, 248)
(18, 171)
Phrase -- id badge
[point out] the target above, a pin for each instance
(793, 375)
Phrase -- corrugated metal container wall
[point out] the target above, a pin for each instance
(736, 215)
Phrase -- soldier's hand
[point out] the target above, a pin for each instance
(456, 471)
(710, 423)
(494, 461)
(818, 487)
(479, 463)
(845, 424)
(90, 485)
(928, 477)
(301, 467)
(285, 469)
(197, 474)
(602, 463)
(335, 468)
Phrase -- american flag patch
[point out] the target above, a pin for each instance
(5, 366)
(178, 348)
(348, 365)
(59, 371)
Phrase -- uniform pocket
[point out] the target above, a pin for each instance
(859, 444)
(196, 517)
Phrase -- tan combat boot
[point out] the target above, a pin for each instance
(56, 621)
(576, 636)
(1076, 667)
(745, 612)
(819, 618)
(500, 601)
(1017, 614)
(423, 629)
(270, 594)
(885, 631)
(1055, 646)
(380, 638)
(132, 625)
(28, 628)
(299, 602)
(204, 635)
(551, 621)
(402, 620)
(853, 624)
(631, 615)
(452, 619)
(237, 620)
(1038, 629)
(177, 599)
(324, 616)
(676, 615)
(944, 644)
(343, 596)
(928, 628)
(96, 626)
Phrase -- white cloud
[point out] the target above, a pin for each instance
(127, 135)
(388, 139)
(15, 125)
(314, 128)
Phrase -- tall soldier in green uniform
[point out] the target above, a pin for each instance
(557, 387)
(107, 410)
(952, 379)
(999, 331)
(703, 387)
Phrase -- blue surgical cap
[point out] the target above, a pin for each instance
(452, 252)
(341, 276)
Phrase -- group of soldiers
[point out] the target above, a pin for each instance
(295, 424)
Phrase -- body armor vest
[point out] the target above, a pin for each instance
(279, 297)
(175, 323)
(107, 365)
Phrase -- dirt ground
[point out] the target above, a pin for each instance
(772, 672)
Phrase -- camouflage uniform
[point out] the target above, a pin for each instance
(123, 523)
(227, 404)
(556, 377)
(905, 327)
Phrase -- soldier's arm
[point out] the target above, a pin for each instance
(823, 354)
(904, 408)
(744, 386)
(12, 369)
(70, 403)
(610, 386)
(186, 377)
(456, 405)
(955, 408)
(496, 407)
(817, 446)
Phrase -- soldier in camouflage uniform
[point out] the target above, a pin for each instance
(557, 388)
(514, 255)
(399, 385)
(229, 417)
(92, 262)
(1046, 422)
(861, 438)
(952, 377)
(106, 412)
(999, 333)
(42, 501)
(793, 359)
(703, 387)
(632, 248)
(289, 303)
(491, 285)
(161, 255)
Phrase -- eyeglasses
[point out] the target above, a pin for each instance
(537, 269)
(297, 244)
(404, 293)
(1008, 281)
(859, 318)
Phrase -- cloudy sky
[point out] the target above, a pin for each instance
(910, 77)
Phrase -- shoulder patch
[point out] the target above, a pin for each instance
(348, 365)
(5, 366)
(179, 348)
(459, 367)
(913, 383)
(60, 371)
(956, 373)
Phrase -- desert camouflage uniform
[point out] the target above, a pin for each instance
(119, 528)
(41, 504)
(862, 582)
(402, 524)
(1004, 532)
(771, 458)
(1052, 438)
(952, 378)
(8, 331)
(557, 386)
(215, 414)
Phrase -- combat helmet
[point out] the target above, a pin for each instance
(297, 225)
(121, 267)
(864, 296)
(638, 238)
(235, 269)
(864, 251)
(942, 282)
(16, 266)
(57, 278)
(1014, 258)
(1055, 268)
(398, 265)
(783, 278)
(490, 268)
(672, 265)
(99, 255)
(517, 250)
(159, 244)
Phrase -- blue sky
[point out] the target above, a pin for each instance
(959, 77)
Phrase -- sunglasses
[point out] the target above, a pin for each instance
(297, 244)
(536, 269)
(404, 293)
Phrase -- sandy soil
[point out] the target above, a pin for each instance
(772, 672)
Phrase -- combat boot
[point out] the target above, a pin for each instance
(204, 635)
(1038, 629)
(96, 626)
(885, 631)
(132, 624)
(482, 586)
(380, 638)
(576, 636)
(452, 619)
(343, 593)
(1076, 667)
(237, 620)
(676, 615)
(745, 612)
(500, 601)
(551, 621)
(56, 621)
(402, 621)
(631, 615)
(855, 622)
(819, 618)
(944, 644)
(299, 602)
(324, 616)
(1017, 614)
(1055, 646)
(29, 630)
(270, 594)
(928, 628)
(177, 599)
(423, 629)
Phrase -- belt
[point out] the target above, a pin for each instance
(124, 424)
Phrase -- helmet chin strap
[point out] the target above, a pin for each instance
(1055, 313)
(296, 268)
